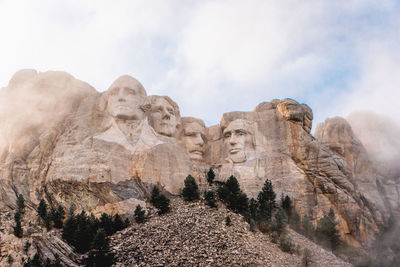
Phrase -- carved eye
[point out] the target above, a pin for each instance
(227, 135)
(170, 111)
(114, 91)
(130, 91)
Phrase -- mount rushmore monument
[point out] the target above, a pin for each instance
(64, 141)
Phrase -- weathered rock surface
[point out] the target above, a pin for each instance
(380, 137)
(103, 152)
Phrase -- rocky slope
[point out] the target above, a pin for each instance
(194, 234)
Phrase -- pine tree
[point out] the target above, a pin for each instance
(58, 217)
(21, 203)
(159, 201)
(266, 202)
(228, 220)
(42, 210)
(279, 223)
(210, 176)
(83, 234)
(209, 197)
(295, 221)
(69, 228)
(100, 255)
(190, 191)
(118, 224)
(287, 206)
(253, 206)
(232, 185)
(106, 223)
(327, 232)
(139, 214)
(18, 227)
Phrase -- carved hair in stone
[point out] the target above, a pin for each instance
(164, 115)
(126, 99)
(239, 140)
(193, 137)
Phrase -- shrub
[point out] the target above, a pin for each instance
(274, 237)
(190, 191)
(10, 259)
(139, 214)
(209, 197)
(228, 220)
(295, 221)
(252, 224)
(307, 257)
(286, 244)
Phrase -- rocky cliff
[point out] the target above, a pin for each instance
(63, 141)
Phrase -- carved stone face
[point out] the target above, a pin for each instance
(125, 98)
(193, 133)
(238, 140)
(162, 117)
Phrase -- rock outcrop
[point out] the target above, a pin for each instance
(103, 152)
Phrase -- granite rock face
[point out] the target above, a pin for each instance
(103, 152)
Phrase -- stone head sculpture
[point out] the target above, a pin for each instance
(239, 140)
(193, 137)
(126, 99)
(164, 115)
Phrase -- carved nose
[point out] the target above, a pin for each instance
(232, 140)
(199, 141)
(165, 115)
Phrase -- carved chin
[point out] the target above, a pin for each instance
(238, 157)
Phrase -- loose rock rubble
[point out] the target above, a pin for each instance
(193, 234)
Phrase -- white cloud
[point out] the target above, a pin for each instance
(216, 56)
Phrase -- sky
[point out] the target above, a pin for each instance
(213, 57)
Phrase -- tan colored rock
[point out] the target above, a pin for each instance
(105, 152)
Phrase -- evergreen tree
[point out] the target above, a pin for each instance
(139, 214)
(127, 222)
(100, 255)
(295, 221)
(231, 194)
(253, 206)
(83, 234)
(159, 201)
(327, 232)
(232, 185)
(279, 223)
(106, 223)
(210, 176)
(27, 246)
(58, 217)
(287, 206)
(308, 227)
(209, 197)
(18, 227)
(21, 203)
(190, 191)
(10, 259)
(266, 202)
(118, 224)
(42, 210)
(69, 228)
